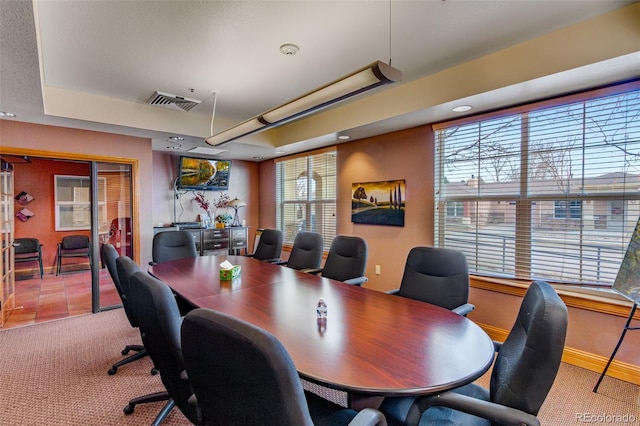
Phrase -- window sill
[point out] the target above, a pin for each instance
(602, 300)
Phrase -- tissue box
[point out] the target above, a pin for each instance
(229, 274)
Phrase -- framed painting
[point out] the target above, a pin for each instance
(378, 203)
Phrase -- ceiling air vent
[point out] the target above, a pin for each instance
(167, 100)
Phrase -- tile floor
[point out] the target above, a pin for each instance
(54, 297)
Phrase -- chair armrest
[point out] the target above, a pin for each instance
(315, 271)
(464, 309)
(368, 417)
(153, 263)
(394, 291)
(488, 410)
(279, 262)
(356, 281)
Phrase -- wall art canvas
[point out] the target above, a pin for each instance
(628, 279)
(24, 198)
(378, 203)
(24, 214)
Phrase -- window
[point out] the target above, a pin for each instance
(567, 210)
(545, 191)
(73, 207)
(306, 195)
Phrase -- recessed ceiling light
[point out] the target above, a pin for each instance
(257, 158)
(176, 138)
(6, 114)
(462, 108)
(344, 137)
(174, 147)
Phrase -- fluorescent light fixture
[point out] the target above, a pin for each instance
(367, 78)
(206, 150)
(235, 132)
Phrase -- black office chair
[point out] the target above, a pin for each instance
(306, 252)
(243, 375)
(269, 247)
(109, 256)
(173, 245)
(523, 373)
(346, 261)
(438, 276)
(28, 250)
(159, 321)
(73, 246)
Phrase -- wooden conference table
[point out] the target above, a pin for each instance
(372, 343)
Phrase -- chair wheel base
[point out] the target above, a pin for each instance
(154, 371)
(112, 371)
(128, 409)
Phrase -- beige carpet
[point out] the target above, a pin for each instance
(56, 374)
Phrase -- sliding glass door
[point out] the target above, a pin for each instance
(113, 225)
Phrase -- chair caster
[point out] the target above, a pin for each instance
(124, 351)
(154, 371)
(112, 371)
(128, 409)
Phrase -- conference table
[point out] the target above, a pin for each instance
(370, 344)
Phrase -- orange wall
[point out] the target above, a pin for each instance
(62, 142)
(404, 155)
(37, 178)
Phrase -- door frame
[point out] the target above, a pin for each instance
(135, 196)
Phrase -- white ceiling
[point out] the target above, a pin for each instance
(124, 51)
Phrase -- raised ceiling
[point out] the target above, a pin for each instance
(94, 64)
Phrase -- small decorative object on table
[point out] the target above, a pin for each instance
(223, 219)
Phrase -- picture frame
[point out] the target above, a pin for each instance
(378, 203)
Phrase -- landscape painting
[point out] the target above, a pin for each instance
(378, 203)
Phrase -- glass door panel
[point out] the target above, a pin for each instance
(114, 222)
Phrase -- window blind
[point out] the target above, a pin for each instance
(548, 191)
(306, 195)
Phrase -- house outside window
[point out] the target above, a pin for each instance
(306, 195)
(550, 189)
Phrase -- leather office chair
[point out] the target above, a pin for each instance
(346, 261)
(109, 256)
(173, 245)
(242, 374)
(306, 252)
(523, 373)
(28, 250)
(269, 247)
(73, 246)
(438, 276)
(159, 321)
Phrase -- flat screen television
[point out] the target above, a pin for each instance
(203, 174)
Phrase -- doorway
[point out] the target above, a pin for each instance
(70, 197)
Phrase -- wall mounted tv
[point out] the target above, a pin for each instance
(203, 174)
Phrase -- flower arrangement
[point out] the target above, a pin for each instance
(218, 203)
(224, 218)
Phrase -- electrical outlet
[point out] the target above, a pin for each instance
(377, 269)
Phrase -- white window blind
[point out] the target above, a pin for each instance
(545, 191)
(306, 195)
